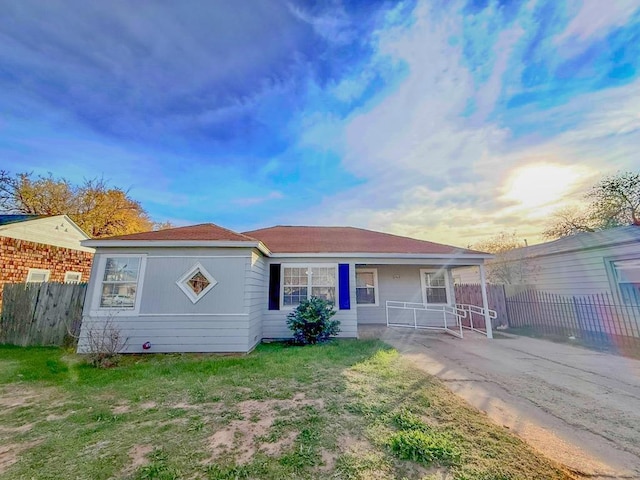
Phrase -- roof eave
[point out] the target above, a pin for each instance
(175, 243)
(384, 255)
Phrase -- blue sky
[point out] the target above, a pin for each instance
(444, 120)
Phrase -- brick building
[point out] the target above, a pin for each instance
(36, 248)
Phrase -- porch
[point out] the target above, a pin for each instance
(418, 296)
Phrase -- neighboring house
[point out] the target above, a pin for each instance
(38, 248)
(204, 288)
(606, 261)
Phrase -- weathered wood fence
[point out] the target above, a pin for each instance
(472, 294)
(41, 313)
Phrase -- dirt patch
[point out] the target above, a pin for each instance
(244, 438)
(10, 454)
(120, 409)
(148, 405)
(137, 458)
(13, 397)
(52, 417)
(21, 429)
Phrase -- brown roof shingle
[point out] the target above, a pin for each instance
(290, 239)
(204, 232)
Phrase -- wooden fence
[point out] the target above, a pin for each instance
(472, 294)
(41, 313)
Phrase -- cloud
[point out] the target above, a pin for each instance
(431, 170)
(596, 18)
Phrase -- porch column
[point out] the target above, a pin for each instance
(485, 302)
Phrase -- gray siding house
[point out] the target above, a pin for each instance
(204, 288)
(604, 262)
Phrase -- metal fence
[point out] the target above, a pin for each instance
(600, 319)
(41, 313)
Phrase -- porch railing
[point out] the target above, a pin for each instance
(447, 311)
(472, 310)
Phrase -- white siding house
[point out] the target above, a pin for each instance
(208, 289)
(588, 263)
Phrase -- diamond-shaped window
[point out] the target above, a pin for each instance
(196, 282)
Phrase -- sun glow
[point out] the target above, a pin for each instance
(544, 184)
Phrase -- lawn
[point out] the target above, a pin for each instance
(347, 410)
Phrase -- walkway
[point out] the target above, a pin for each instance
(576, 406)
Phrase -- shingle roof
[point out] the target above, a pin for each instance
(581, 241)
(8, 219)
(291, 239)
(203, 232)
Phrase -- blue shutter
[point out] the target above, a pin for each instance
(274, 286)
(344, 298)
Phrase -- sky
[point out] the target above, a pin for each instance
(443, 120)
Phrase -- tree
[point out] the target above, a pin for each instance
(612, 202)
(509, 265)
(616, 200)
(97, 208)
(569, 221)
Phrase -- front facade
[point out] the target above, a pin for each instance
(35, 248)
(208, 289)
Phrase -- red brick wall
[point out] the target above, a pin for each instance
(18, 256)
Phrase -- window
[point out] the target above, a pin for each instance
(302, 282)
(72, 277)
(38, 275)
(120, 282)
(367, 287)
(434, 287)
(196, 282)
(627, 273)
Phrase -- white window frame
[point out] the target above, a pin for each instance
(307, 265)
(96, 309)
(376, 294)
(67, 280)
(38, 271)
(617, 279)
(423, 285)
(193, 296)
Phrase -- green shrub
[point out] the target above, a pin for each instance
(406, 420)
(424, 447)
(311, 321)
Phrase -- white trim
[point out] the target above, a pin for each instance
(193, 296)
(423, 256)
(375, 287)
(66, 277)
(193, 314)
(309, 286)
(178, 243)
(98, 311)
(198, 256)
(38, 271)
(423, 285)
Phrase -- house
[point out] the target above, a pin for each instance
(603, 262)
(40, 248)
(205, 288)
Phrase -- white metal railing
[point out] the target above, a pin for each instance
(470, 310)
(446, 310)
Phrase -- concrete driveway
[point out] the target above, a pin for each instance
(576, 406)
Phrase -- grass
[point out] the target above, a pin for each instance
(347, 410)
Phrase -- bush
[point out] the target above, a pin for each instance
(311, 321)
(424, 447)
(104, 343)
